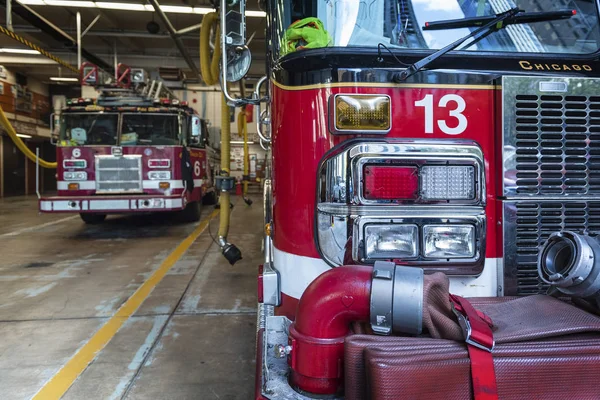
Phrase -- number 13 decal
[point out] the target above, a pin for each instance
(445, 102)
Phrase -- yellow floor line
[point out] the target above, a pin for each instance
(56, 387)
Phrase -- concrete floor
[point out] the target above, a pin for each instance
(60, 281)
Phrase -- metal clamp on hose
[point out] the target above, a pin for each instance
(396, 299)
(224, 183)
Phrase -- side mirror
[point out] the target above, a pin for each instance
(196, 130)
(54, 128)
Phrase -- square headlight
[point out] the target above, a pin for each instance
(449, 241)
(384, 241)
(159, 175)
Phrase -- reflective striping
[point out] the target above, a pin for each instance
(147, 184)
(117, 205)
(175, 183)
(83, 185)
(297, 272)
(56, 387)
(383, 85)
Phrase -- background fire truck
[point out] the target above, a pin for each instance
(130, 150)
(421, 148)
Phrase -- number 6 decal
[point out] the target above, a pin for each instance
(456, 113)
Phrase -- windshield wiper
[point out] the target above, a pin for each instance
(489, 24)
(520, 18)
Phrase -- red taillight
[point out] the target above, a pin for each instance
(159, 163)
(390, 182)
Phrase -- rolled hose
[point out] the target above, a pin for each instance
(19, 143)
(209, 66)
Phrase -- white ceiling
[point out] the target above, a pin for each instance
(123, 30)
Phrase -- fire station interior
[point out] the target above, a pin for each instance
(191, 326)
(299, 199)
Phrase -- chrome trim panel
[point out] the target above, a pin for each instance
(341, 174)
(551, 139)
(340, 233)
(271, 285)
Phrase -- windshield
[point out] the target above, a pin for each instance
(89, 128)
(150, 129)
(100, 128)
(398, 23)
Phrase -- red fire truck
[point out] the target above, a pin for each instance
(422, 148)
(131, 151)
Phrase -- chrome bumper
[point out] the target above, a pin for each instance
(110, 204)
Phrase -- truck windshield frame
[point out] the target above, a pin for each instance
(120, 128)
(138, 129)
(352, 25)
(98, 129)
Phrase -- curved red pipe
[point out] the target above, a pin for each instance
(329, 305)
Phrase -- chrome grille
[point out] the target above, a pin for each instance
(551, 139)
(119, 174)
(557, 144)
(528, 225)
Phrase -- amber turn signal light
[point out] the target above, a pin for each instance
(371, 113)
(164, 185)
(73, 186)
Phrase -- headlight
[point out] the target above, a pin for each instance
(75, 176)
(449, 241)
(159, 175)
(391, 241)
(371, 113)
(448, 182)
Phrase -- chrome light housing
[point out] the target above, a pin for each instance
(442, 227)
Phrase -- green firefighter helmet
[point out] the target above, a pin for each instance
(307, 33)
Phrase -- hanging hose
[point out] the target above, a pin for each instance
(243, 131)
(225, 160)
(19, 143)
(209, 68)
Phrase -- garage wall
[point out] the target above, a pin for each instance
(17, 175)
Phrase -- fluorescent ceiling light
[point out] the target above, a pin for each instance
(67, 3)
(24, 136)
(254, 13)
(130, 7)
(61, 79)
(238, 142)
(18, 51)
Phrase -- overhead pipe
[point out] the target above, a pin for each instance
(78, 20)
(9, 24)
(173, 33)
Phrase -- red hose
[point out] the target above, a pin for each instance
(327, 308)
